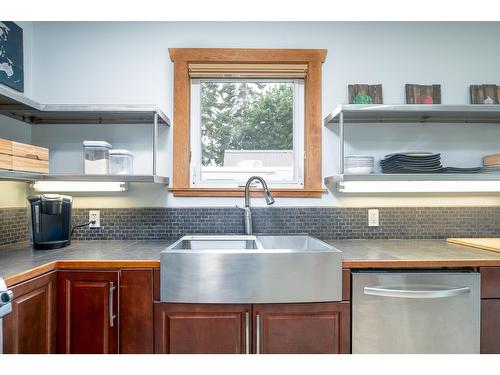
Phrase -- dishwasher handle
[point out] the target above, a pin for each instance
(416, 291)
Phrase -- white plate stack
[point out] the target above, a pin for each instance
(358, 164)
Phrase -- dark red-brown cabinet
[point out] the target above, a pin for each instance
(136, 311)
(202, 329)
(31, 327)
(490, 310)
(302, 328)
(264, 328)
(88, 312)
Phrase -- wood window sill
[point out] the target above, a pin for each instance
(240, 192)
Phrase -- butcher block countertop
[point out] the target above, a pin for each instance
(491, 244)
(19, 262)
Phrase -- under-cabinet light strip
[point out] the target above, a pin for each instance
(79, 186)
(419, 186)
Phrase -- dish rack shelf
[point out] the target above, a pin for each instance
(404, 114)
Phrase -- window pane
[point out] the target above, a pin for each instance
(247, 129)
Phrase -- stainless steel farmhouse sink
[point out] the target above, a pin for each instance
(250, 269)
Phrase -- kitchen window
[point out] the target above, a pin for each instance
(245, 112)
(244, 127)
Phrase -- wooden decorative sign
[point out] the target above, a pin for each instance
(484, 94)
(423, 94)
(365, 94)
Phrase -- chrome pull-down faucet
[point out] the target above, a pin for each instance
(248, 211)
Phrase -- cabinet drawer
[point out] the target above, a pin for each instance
(30, 165)
(490, 282)
(5, 161)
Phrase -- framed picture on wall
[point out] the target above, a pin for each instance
(484, 94)
(423, 94)
(11, 55)
(365, 94)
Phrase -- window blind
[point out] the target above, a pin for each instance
(219, 70)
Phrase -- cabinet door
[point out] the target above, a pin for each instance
(136, 311)
(302, 328)
(31, 327)
(490, 326)
(202, 329)
(88, 302)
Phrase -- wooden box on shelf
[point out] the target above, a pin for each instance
(5, 154)
(23, 157)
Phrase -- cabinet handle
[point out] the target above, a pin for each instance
(247, 333)
(257, 333)
(112, 316)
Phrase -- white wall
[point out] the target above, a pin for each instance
(129, 63)
(13, 194)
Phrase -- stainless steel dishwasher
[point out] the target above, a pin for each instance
(415, 312)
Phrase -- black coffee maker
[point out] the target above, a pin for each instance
(50, 220)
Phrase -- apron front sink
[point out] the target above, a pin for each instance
(250, 269)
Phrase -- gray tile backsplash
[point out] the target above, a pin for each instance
(13, 225)
(324, 222)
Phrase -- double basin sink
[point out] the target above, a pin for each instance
(250, 269)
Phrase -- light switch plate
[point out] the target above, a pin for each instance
(373, 217)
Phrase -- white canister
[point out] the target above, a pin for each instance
(121, 162)
(96, 157)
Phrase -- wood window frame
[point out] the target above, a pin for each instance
(182, 57)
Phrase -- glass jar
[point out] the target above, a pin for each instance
(96, 157)
(121, 162)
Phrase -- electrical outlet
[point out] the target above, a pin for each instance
(95, 215)
(373, 217)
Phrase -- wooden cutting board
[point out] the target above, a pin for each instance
(493, 159)
(491, 244)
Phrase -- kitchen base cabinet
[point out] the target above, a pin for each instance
(490, 326)
(490, 310)
(31, 327)
(275, 328)
(201, 329)
(87, 308)
(136, 311)
(302, 328)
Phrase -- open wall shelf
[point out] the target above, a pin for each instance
(405, 114)
(414, 113)
(20, 108)
(32, 177)
(26, 110)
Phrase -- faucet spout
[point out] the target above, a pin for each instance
(248, 212)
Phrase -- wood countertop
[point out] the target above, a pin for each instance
(19, 262)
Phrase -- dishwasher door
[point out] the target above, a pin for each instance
(415, 312)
